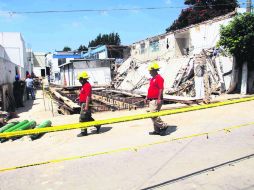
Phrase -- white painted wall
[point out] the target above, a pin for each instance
(7, 68)
(14, 46)
(30, 60)
(39, 61)
(200, 36)
(97, 75)
(2, 52)
(206, 35)
(103, 55)
(147, 54)
(226, 66)
(37, 71)
(54, 69)
(53, 62)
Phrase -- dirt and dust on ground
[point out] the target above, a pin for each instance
(137, 150)
(112, 136)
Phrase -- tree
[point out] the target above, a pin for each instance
(201, 10)
(238, 37)
(66, 48)
(105, 39)
(82, 48)
(215, 4)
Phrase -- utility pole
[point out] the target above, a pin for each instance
(248, 6)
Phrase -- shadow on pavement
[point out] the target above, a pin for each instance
(170, 129)
(102, 130)
(27, 106)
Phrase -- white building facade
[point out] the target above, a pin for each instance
(7, 68)
(15, 49)
(99, 72)
(180, 43)
(52, 63)
(39, 62)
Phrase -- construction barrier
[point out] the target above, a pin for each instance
(122, 119)
(134, 148)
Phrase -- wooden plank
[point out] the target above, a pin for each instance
(66, 100)
(123, 92)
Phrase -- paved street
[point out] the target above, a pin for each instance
(170, 165)
(121, 65)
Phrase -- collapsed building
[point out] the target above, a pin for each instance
(187, 57)
(192, 67)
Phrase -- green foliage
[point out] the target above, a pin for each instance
(105, 39)
(238, 37)
(190, 2)
(215, 4)
(201, 10)
(82, 48)
(66, 48)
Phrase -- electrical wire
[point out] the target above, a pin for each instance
(112, 10)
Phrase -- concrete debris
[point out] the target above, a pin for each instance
(122, 72)
(136, 76)
(201, 76)
(186, 80)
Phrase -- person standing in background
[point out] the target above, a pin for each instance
(18, 90)
(30, 87)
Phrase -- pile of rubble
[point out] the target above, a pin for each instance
(122, 73)
(187, 80)
(200, 76)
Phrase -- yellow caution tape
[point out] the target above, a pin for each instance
(121, 119)
(135, 148)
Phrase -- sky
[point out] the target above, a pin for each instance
(49, 32)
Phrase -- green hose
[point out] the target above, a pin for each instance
(46, 123)
(16, 126)
(7, 126)
(28, 125)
